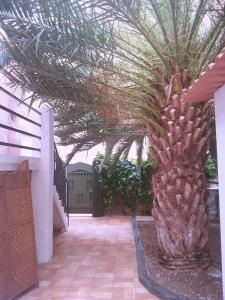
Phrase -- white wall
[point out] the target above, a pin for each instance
(9, 136)
(41, 164)
(220, 136)
(42, 190)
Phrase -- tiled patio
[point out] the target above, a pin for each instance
(94, 260)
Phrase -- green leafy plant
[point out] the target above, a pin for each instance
(210, 169)
(145, 193)
(122, 179)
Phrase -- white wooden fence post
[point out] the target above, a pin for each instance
(220, 137)
(42, 190)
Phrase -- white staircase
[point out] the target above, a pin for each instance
(59, 216)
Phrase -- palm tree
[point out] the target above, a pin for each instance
(133, 60)
(63, 49)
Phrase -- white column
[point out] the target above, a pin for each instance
(42, 190)
(220, 137)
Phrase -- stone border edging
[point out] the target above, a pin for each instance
(143, 276)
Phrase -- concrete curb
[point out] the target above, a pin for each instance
(143, 276)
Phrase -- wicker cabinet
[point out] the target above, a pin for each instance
(18, 265)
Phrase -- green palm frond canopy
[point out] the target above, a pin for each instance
(116, 71)
(135, 47)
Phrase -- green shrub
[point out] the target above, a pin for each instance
(210, 169)
(123, 179)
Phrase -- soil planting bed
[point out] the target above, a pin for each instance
(194, 284)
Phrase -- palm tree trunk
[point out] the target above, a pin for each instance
(179, 186)
(180, 215)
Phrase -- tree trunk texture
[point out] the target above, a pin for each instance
(179, 186)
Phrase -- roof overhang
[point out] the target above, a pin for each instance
(209, 81)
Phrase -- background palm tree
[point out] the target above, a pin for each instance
(121, 68)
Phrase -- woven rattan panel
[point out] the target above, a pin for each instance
(18, 264)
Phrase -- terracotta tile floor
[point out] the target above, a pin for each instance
(94, 260)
